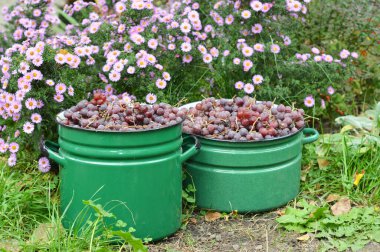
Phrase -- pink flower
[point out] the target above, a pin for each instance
(28, 127)
(36, 118)
(44, 164)
(229, 19)
(317, 58)
(236, 61)
(214, 52)
(256, 5)
(259, 47)
(60, 58)
(257, 28)
(315, 50)
(354, 55)
(70, 91)
(257, 79)
(309, 101)
(161, 84)
(120, 7)
(60, 88)
(249, 88)
(152, 44)
(58, 97)
(166, 76)
(239, 85)
(328, 58)
(246, 14)
(12, 160)
(141, 63)
(187, 58)
(131, 70)
(13, 147)
(247, 65)
(274, 48)
(330, 90)
(151, 98)
(207, 58)
(202, 49)
(30, 103)
(323, 104)
(114, 76)
(344, 54)
(185, 27)
(186, 47)
(50, 83)
(247, 51)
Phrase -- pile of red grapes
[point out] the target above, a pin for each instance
(113, 113)
(242, 119)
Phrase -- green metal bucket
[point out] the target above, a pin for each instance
(136, 175)
(248, 176)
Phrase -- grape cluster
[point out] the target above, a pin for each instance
(113, 113)
(242, 119)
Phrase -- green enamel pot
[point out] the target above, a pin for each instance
(136, 176)
(248, 176)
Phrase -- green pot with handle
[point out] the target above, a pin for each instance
(136, 176)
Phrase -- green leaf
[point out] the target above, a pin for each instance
(136, 244)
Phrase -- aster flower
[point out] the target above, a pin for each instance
(315, 50)
(257, 79)
(274, 48)
(114, 76)
(151, 98)
(246, 14)
(36, 118)
(44, 164)
(60, 88)
(247, 51)
(30, 103)
(259, 47)
(344, 54)
(186, 47)
(309, 101)
(256, 5)
(207, 58)
(166, 76)
(185, 27)
(161, 84)
(249, 88)
(257, 28)
(330, 90)
(58, 97)
(239, 85)
(28, 127)
(13, 147)
(60, 58)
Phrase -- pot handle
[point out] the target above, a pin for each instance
(193, 150)
(53, 150)
(313, 135)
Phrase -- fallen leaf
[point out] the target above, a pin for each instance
(358, 177)
(341, 207)
(212, 216)
(280, 212)
(322, 163)
(304, 237)
(193, 220)
(346, 128)
(332, 197)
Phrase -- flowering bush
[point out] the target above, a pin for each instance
(189, 49)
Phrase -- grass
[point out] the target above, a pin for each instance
(30, 219)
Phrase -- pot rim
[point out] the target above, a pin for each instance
(60, 117)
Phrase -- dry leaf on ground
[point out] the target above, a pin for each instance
(212, 216)
(332, 197)
(304, 237)
(322, 163)
(341, 207)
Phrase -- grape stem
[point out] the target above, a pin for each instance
(254, 123)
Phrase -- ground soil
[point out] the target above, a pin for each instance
(247, 233)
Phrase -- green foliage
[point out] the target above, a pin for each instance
(354, 25)
(352, 230)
